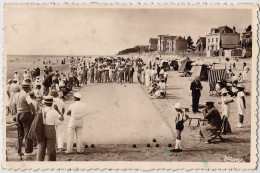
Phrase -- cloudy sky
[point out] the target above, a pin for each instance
(81, 31)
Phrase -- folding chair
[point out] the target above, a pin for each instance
(216, 133)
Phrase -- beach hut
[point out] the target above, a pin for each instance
(185, 65)
(200, 70)
(215, 75)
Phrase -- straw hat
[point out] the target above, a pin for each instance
(48, 99)
(240, 86)
(178, 106)
(25, 84)
(224, 90)
(77, 95)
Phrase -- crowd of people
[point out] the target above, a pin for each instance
(36, 100)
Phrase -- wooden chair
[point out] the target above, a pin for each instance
(216, 133)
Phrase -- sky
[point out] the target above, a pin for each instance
(96, 31)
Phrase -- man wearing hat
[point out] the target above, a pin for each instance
(8, 92)
(50, 117)
(214, 121)
(241, 105)
(17, 77)
(77, 111)
(47, 84)
(195, 87)
(26, 75)
(24, 118)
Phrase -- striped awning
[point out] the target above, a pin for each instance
(214, 76)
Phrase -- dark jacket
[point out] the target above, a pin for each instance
(47, 81)
(196, 87)
(213, 117)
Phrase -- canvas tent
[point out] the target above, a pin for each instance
(186, 65)
(200, 70)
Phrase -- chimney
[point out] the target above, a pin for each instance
(234, 29)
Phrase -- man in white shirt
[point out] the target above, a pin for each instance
(77, 111)
(17, 77)
(50, 117)
(59, 125)
(26, 75)
(24, 118)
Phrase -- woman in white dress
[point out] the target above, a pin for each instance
(147, 77)
(225, 102)
(241, 105)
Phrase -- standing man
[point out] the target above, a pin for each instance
(77, 111)
(49, 118)
(131, 74)
(158, 70)
(25, 114)
(47, 84)
(17, 77)
(195, 87)
(70, 76)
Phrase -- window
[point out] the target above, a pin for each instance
(216, 39)
(212, 39)
(208, 40)
(208, 47)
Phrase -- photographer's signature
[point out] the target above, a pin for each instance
(232, 159)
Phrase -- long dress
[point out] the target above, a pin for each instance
(147, 78)
(240, 106)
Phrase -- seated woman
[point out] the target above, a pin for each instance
(154, 87)
(161, 89)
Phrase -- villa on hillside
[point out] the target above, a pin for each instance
(153, 44)
(246, 41)
(167, 43)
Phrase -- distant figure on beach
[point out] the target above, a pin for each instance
(195, 87)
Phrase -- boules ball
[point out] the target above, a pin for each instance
(134, 146)
(169, 145)
(85, 146)
(157, 145)
(154, 140)
(92, 146)
(148, 145)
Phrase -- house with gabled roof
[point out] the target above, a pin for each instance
(221, 38)
(201, 44)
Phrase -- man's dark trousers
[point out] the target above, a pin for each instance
(195, 103)
(25, 120)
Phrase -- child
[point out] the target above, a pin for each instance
(179, 120)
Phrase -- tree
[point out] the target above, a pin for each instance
(189, 42)
(248, 28)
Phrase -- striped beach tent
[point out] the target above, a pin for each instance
(214, 75)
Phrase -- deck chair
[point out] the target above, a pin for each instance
(216, 133)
